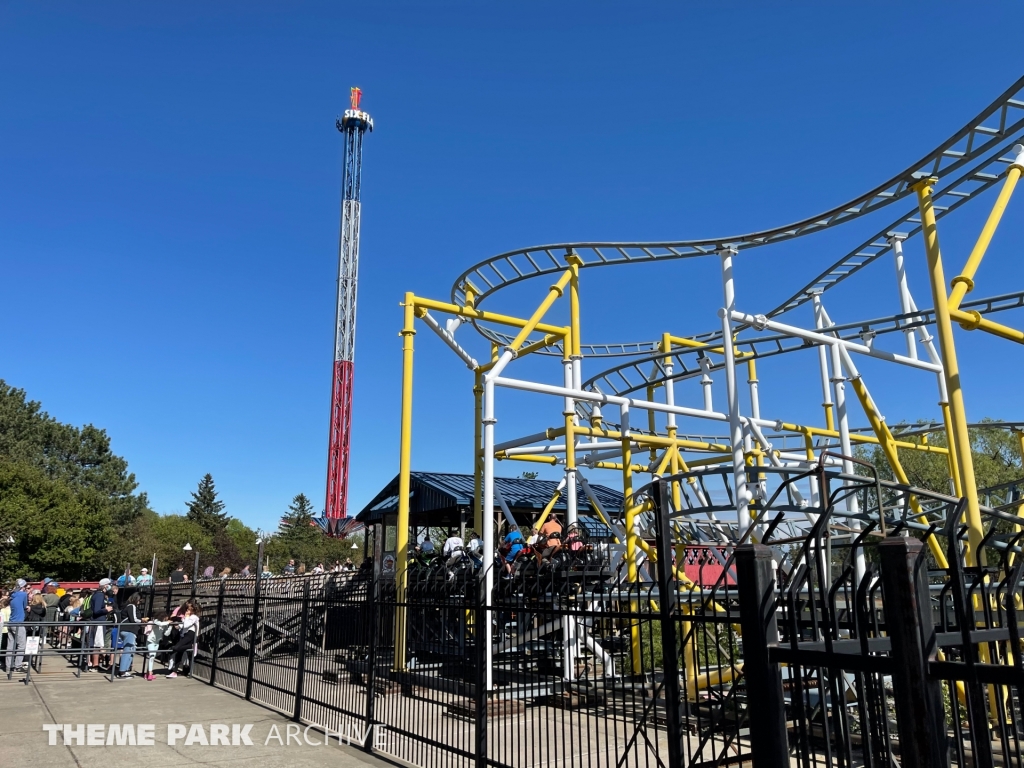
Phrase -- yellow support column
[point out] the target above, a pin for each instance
(960, 439)
(404, 472)
(631, 510)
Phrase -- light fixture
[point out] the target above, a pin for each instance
(187, 547)
(355, 545)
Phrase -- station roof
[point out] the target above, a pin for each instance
(440, 498)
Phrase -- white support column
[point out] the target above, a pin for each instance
(569, 410)
(895, 240)
(826, 386)
(487, 515)
(706, 383)
(843, 424)
(736, 438)
(670, 391)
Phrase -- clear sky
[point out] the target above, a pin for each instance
(169, 195)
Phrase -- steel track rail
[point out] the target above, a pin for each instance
(978, 146)
(637, 375)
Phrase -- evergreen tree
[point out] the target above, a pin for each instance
(299, 515)
(206, 509)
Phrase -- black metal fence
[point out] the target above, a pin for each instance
(812, 647)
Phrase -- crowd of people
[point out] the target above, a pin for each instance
(94, 629)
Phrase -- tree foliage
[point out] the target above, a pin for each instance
(996, 456)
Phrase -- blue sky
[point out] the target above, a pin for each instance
(169, 193)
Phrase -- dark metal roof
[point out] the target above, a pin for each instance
(437, 498)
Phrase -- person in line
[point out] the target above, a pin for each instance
(289, 570)
(208, 572)
(178, 576)
(513, 544)
(129, 626)
(101, 608)
(155, 630)
(145, 579)
(16, 636)
(347, 566)
(318, 569)
(225, 573)
(246, 572)
(189, 630)
(126, 579)
(5, 616)
(36, 614)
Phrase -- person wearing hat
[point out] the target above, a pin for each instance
(145, 579)
(16, 635)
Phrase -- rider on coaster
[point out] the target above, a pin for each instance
(550, 538)
(453, 549)
(514, 543)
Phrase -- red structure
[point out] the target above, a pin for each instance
(353, 124)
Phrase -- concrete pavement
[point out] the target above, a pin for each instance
(189, 707)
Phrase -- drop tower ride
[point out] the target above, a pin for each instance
(353, 124)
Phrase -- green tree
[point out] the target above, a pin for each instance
(205, 508)
(57, 530)
(996, 457)
(529, 475)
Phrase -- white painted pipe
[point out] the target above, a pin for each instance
(488, 520)
(760, 321)
(527, 440)
(504, 506)
(559, 448)
(739, 469)
(895, 240)
(600, 397)
(448, 338)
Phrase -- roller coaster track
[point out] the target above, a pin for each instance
(967, 164)
(636, 375)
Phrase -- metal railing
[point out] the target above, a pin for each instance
(798, 649)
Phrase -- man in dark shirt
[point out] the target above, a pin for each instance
(101, 605)
(177, 575)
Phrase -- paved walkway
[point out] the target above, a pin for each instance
(25, 709)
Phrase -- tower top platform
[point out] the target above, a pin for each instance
(362, 120)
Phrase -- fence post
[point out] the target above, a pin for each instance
(908, 620)
(216, 633)
(668, 603)
(253, 640)
(371, 677)
(480, 682)
(300, 673)
(755, 582)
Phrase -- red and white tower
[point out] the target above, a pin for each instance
(353, 124)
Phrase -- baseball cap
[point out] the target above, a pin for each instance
(104, 582)
(22, 583)
(145, 570)
(54, 584)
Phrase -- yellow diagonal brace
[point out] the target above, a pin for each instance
(964, 282)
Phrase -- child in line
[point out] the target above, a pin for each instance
(154, 630)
